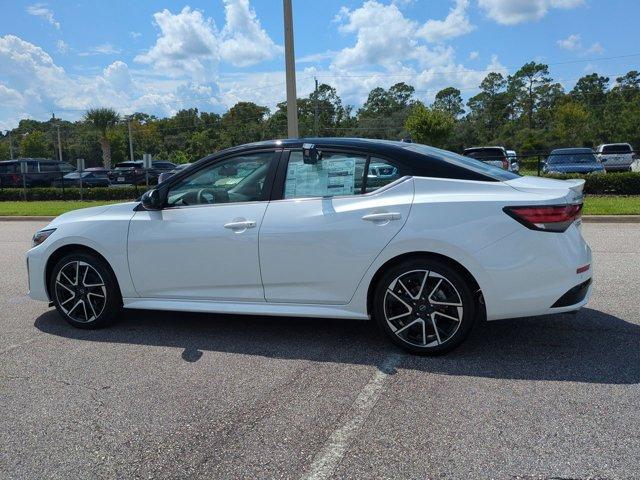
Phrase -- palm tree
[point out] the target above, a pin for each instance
(102, 119)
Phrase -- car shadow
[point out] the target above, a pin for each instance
(591, 346)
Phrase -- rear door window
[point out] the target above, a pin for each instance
(335, 174)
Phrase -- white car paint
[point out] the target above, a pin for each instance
(317, 257)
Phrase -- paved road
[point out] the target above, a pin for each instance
(169, 395)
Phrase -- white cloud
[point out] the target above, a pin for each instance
(62, 46)
(595, 49)
(511, 12)
(244, 41)
(384, 36)
(187, 44)
(316, 57)
(572, 42)
(102, 49)
(190, 44)
(474, 55)
(135, 35)
(455, 24)
(41, 10)
(33, 86)
(10, 97)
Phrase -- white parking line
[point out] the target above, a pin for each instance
(336, 446)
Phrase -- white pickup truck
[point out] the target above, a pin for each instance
(615, 157)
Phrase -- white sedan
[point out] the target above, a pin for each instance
(296, 228)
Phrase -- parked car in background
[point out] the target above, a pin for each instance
(166, 175)
(572, 160)
(514, 164)
(616, 157)
(41, 172)
(89, 179)
(133, 173)
(496, 156)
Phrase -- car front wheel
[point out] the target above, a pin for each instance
(424, 306)
(84, 290)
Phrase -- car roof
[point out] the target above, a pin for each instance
(572, 150)
(485, 148)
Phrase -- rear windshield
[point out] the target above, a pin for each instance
(485, 153)
(571, 157)
(618, 148)
(462, 161)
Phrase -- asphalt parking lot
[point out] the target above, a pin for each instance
(165, 395)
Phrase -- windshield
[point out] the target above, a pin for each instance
(571, 157)
(462, 161)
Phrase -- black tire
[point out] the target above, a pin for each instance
(434, 331)
(91, 272)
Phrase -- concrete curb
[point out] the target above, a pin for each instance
(611, 218)
(19, 218)
(585, 219)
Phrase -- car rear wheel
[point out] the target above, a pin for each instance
(424, 306)
(84, 290)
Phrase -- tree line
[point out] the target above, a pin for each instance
(527, 111)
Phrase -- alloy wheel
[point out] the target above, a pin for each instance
(423, 308)
(80, 291)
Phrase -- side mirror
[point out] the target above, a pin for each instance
(151, 200)
(310, 154)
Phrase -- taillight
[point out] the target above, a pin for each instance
(505, 164)
(546, 218)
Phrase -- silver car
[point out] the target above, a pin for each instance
(615, 157)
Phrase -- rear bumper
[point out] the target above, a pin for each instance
(543, 277)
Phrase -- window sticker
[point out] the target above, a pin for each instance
(330, 177)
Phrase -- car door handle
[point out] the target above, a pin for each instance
(240, 225)
(382, 217)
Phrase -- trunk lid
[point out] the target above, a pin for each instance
(571, 190)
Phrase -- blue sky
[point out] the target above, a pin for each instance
(160, 56)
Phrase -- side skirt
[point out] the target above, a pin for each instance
(242, 308)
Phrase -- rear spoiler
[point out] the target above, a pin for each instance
(576, 185)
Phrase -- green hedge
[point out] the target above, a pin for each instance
(624, 183)
(33, 194)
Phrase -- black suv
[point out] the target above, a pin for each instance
(41, 172)
(133, 173)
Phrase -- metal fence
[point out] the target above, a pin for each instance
(62, 186)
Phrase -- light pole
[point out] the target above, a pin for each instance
(290, 64)
(130, 138)
(10, 144)
(59, 144)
